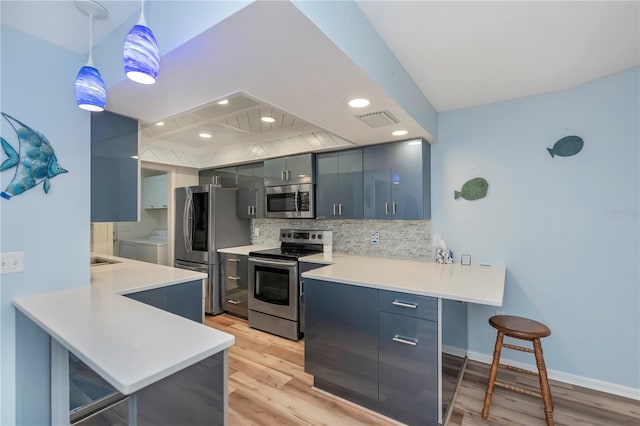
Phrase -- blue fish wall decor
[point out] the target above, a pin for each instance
(567, 146)
(35, 161)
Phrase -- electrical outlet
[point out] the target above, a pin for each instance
(12, 262)
(375, 237)
(435, 240)
(256, 232)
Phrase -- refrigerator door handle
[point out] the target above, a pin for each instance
(187, 222)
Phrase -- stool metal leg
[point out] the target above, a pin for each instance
(492, 374)
(544, 382)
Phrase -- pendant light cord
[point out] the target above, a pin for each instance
(90, 61)
(142, 21)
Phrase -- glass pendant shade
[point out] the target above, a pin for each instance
(141, 56)
(91, 93)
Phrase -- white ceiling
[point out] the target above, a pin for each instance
(459, 54)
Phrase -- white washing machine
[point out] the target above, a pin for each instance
(152, 249)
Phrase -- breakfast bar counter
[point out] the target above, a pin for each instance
(391, 334)
(131, 345)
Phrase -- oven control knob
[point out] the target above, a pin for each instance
(319, 236)
(289, 235)
(284, 235)
(313, 236)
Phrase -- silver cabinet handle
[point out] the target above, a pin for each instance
(339, 209)
(288, 175)
(405, 340)
(282, 178)
(405, 304)
(393, 208)
(233, 278)
(231, 259)
(334, 209)
(233, 302)
(249, 210)
(386, 208)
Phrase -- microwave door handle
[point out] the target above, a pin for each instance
(295, 200)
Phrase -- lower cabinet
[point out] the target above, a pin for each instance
(235, 284)
(183, 299)
(374, 347)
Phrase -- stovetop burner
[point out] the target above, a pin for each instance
(295, 243)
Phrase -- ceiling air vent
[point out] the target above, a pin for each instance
(378, 119)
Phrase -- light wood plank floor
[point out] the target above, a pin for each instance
(268, 386)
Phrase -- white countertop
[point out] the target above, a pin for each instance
(244, 250)
(468, 283)
(130, 276)
(128, 343)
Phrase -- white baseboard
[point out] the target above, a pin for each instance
(454, 350)
(585, 382)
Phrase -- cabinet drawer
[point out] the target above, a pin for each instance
(408, 304)
(408, 369)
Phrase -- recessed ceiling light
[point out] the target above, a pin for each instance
(358, 103)
(205, 135)
(223, 102)
(268, 119)
(415, 143)
(399, 132)
(160, 123)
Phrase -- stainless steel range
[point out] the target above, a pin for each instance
(274, 287)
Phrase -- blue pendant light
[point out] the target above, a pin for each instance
(91, 93)
(140, 53)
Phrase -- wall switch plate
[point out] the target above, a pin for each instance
(375, 237)
(256, 232)
(12, 262)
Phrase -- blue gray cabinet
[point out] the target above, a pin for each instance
(397, 180)
(114, 168)
(292, 170)
(234, 271)
(183, 299)
(376, 348)
(339, 185)
(341, 336)
(251, 191)
(223, 176)
(408, 369)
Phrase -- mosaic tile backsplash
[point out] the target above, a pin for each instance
(398, 238)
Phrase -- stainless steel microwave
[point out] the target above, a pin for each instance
(290, 201)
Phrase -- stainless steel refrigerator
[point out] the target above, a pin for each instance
(207, 220)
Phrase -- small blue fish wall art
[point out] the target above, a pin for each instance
(35, 161)
(566, 147)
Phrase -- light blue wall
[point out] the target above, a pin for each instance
(51, 229)
(566, 228)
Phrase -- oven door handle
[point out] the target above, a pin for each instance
(285, 263)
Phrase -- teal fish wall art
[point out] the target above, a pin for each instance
(35, 161)
(473, 189)
(566, 147)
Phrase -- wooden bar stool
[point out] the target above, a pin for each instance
(524, 329)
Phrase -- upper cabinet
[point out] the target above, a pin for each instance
(114, 168)
(155, 192)
(339, 185)
(296, 169)
(397, 180)
(225, 177)
(251, 191)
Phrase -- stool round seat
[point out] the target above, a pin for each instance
(520, 328)
(523, 329)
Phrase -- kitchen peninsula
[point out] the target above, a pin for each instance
(137, 348)
(381, 332)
